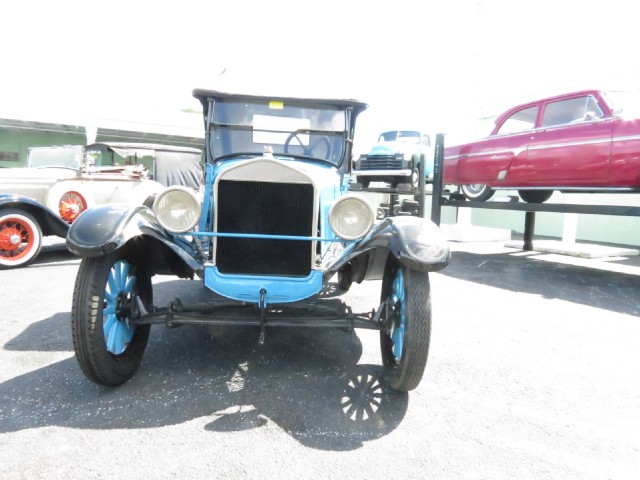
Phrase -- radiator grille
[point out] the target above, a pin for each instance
(380, 163)
(264, 208)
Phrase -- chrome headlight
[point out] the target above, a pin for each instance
(351, 217)
(177, 209)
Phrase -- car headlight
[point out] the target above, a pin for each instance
(177, 209)
(351, 217)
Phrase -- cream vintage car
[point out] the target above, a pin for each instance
(60, 182)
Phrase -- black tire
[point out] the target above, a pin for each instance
(535, 196)
(415, 177)
(363, 181)
(20, 238)
(404, 365)
(477, 192)
(345, 278)
(408, 205)
(116, 364)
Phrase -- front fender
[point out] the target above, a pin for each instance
(103, 229)
(50, 223)
(415, 242)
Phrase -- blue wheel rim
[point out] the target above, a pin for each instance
(398, 299)
(117, 330)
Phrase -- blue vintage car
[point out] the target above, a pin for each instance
(273, 227)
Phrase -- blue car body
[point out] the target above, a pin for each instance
(275, 224)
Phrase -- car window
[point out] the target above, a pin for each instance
(572, 110)
(70, 157)
(387, 137)
(407, 136)
(400, 136)
(593, 109)
(519, 121)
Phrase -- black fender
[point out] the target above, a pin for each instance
(50, 222)
(415, 242)
(106, 228)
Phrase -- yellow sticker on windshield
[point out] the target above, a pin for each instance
(276, 104)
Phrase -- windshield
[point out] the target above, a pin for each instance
(255, 127)
(400, 136)
(69, 157)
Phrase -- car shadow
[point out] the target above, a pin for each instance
(53, 253)
(614, 291)
(307, 381)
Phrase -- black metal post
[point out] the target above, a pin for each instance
(394, 204)
(436, 195)
(529, 226)
(421, 185)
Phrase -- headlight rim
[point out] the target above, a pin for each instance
(332, 214)
(179, 188)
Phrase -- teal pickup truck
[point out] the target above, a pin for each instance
(395, 159)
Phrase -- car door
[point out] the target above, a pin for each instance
(491, 160)
(572, 145)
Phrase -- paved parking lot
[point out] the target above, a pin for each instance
(533, 373)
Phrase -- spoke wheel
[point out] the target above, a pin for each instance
(477, 191)
(108, 347)
(20, 239)
(404, 342)
(71, 205)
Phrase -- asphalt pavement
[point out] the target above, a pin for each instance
(532, 374)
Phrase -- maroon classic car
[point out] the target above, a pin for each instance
(587, 141)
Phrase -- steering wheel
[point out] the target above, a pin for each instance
(308, 150)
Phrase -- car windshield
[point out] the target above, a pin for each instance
(55, 157)
(254, 127)
(400, 136)
(627, 102)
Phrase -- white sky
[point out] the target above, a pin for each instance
(439, 64)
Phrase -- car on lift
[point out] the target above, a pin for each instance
(275, 236)
(60, 182)
(584, 141)
(395, 159)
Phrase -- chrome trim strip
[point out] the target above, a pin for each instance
(570, 144)
(517, 151)
(626, 139)
(514, 151)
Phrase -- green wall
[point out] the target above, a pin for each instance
(18, 141)
(620, 230)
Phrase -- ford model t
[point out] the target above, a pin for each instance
(271, 225)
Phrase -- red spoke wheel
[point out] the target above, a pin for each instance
(20, 239)
(71, 205)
